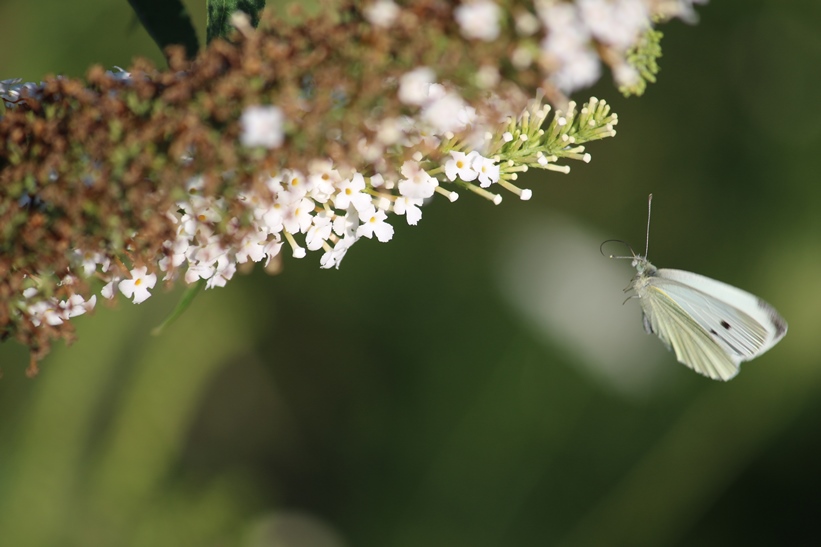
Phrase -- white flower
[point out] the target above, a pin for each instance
(199, 270)
(108, 291)
(272, 249)
(90, 260)
(137, 287)
(382, 13)
(408, 207)
(417, 183)
(322, 178)
(333, 258)
(46, 311)
(625, 75)
(223, 272)
(373, 223)
(208, 253)
(460, 165)
(350, 193)
(271, 220)
(77, 305)
(479, 20)
(487, 169)
(616, 22)
(414, 85)
(298, 216)
(178, 248)
(294, 186)
(391, 130)
(262, 126)
(568, 45)
(252, 247)
(319, 232)
(346, 225)
(445, 113)
(377, 180)
(578, 72)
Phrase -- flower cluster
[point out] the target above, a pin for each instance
(308, 161)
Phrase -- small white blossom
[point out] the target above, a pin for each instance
(322, 179)
(272, 249)
(615, 22)
(578, 71)
(391, 130)
(139, 284)
(333, 258)
(108, 291)
(294, 186)
(373, 223)
(224, 270)
(408, 207)
(487, 169)
(414, 85)
(382, 13)
(417, 183)
(567, 43)
(77, 305)
(262, 126)
(298, 216)
(46, 311)
(479, 20)
(346, 225)
(350, 193)
(252, 247)
(377, 180)
(460, 165)
(447, 112)
(319, 231)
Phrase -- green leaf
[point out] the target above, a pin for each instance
(219, 16)
(188, 296)
(168, 23)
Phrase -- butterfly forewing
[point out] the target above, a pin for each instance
(691, 343)
(742, 323)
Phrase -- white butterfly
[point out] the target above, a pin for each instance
(711, 326)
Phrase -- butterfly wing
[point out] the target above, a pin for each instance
(680, 332)
(711, 326)
(744, 323)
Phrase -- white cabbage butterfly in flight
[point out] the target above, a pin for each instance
(712, 327)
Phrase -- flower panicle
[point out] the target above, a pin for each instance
(136, 175)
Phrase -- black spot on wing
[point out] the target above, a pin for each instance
(725, 324)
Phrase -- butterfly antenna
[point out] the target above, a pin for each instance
(649, 208)
(601, 249)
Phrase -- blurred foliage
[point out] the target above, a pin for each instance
(168, 23)
(402, 401)
(219, 16)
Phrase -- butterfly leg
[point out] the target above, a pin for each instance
(648, 326)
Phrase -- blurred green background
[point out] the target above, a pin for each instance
(477, 381)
